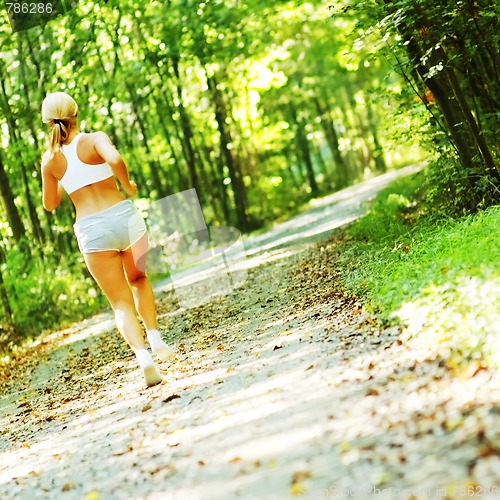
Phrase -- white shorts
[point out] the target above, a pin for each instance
(116, 228)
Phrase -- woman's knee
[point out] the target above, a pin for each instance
(123, 308)
(137, 278)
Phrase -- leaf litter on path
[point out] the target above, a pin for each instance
(302, 395)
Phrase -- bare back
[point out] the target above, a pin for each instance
(94, 197)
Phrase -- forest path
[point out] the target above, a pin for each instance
(284, 387)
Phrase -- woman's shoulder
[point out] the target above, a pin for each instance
(95, 133)
(53, 163)
(51, 157)
(94, 137)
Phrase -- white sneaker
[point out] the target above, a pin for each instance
(151, 375)
(158, 346)
(163, 351)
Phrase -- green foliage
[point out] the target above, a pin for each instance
(251, 103)
(438, 276)
(46, 295)
(385, 222)
(257, 105)
(449, 188)
(446, 53)
(190, 91)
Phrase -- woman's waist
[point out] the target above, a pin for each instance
(91, 202)
(123, 207)
(96, 197)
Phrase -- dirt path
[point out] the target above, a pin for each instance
(284, 387)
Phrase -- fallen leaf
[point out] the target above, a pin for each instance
(300, 476)
(92, 495)
(235, 460)
(477, 367)
(297, 486)
(174, 438)
(344, 446)
(123, 451)
(146, 407)
(453, 423)
(170, 398)
(68, 486)
(297, 489)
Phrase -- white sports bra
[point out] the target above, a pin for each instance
(79, 174)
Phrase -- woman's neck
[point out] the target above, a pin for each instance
(72, 135)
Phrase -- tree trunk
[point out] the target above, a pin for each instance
(240, 198)
(290, 160)
(437, 72)
(304, 151)
(453, 113)
(13, 217)
(4, 298)
(187, 132)
(218, 189)
(182, 181)
(377, 150)
(332, 140)
(154, 167)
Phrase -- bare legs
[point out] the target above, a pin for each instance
(139, 283)
(107, 269)
(129, 291)
(143, 296)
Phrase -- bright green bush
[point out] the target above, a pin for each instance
(440, 277)
(44, 294)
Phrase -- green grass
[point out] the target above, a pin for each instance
(44, 295)
(437, 276)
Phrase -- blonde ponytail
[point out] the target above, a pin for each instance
(60, 112)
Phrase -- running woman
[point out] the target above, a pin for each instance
(109, 229)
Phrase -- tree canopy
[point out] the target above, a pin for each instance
(258, 107)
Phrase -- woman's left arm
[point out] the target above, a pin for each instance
(52, 191)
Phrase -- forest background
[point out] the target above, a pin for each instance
(258, 107)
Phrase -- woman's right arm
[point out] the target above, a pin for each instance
(52, 191)
(105, 149)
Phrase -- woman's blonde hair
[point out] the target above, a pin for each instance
(60, 112)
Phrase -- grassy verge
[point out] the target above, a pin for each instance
(437, 276)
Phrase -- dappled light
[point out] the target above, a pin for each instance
(283, 386)
(463, 311)
(249, 249)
